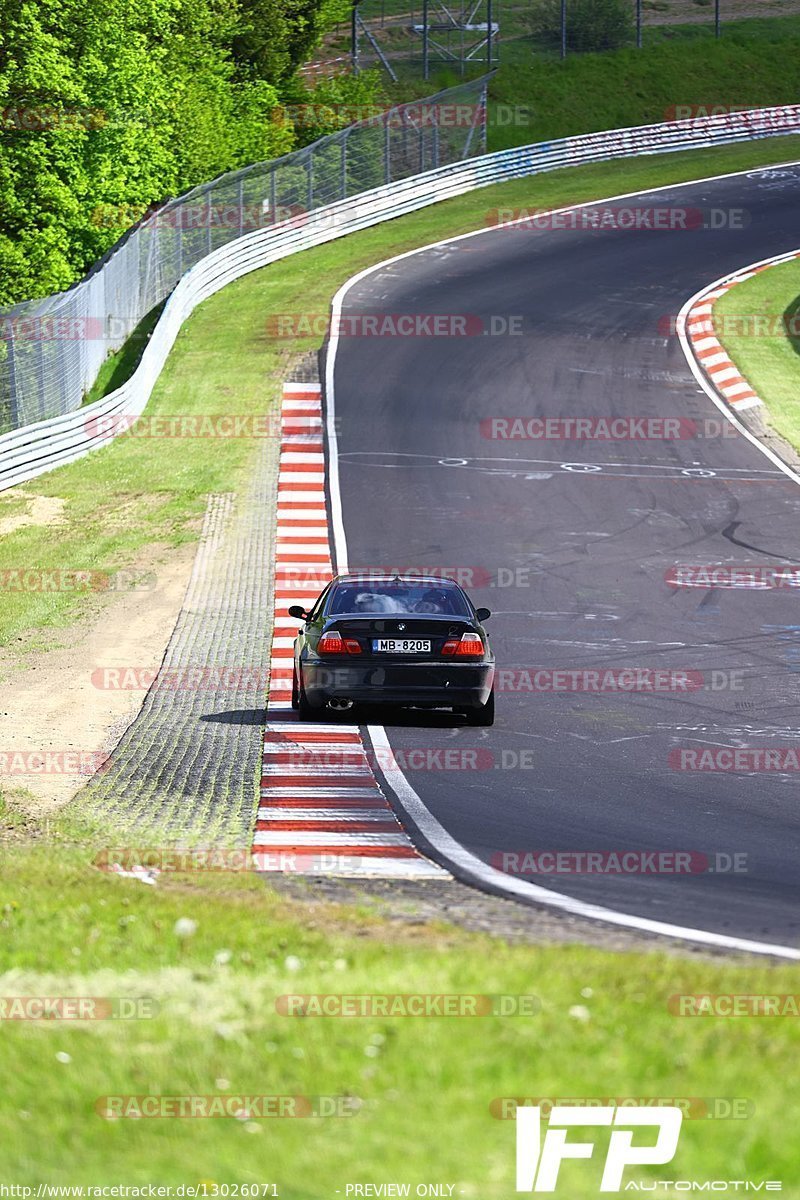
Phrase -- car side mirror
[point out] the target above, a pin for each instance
(483, 614)
(298, 611)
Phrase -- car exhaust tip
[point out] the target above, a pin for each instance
(340, 704)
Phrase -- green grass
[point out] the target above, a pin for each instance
(754, 63)
(66, 928)
(753, 321)
(425, 1085)
(140, 492)
(120, 366)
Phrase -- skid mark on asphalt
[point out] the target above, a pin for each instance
(321, 810)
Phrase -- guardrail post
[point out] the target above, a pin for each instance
(310, 179)
(387, 171)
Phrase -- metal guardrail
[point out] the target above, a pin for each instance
(52, 348)
(27, 452)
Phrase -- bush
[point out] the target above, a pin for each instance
(591, 24)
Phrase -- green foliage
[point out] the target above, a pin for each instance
(591, 24)
(336, 102)
(108, 109)
(334, 12)
(275, 36)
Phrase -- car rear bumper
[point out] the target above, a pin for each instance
(460, 685)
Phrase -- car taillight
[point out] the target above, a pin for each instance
(470, 646)
(332, 642)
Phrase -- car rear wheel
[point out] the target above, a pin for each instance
(304, 709)
(483, 715)
(295, 689)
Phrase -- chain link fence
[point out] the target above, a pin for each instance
(465, 37)
(52, 349)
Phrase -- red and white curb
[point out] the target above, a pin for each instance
(706, 347)
(314, 817)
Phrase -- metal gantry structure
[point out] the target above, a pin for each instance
(459, 34)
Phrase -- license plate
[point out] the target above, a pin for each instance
(400, 646)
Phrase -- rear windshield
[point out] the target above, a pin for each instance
(383, 598)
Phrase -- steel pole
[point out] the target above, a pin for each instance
(425, 64)
(354, 38)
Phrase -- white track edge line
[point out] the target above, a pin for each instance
(437, 835)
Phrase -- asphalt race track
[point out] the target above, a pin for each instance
(570, 542)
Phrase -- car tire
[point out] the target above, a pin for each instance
(304, 709)
(483, 715)
(295, 690)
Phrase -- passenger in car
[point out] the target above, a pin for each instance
(377, 602)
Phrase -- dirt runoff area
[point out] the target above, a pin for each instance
(57, 722)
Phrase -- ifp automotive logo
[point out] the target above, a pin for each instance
(538, 1161)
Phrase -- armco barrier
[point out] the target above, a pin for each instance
(52, 348)
(27, 452)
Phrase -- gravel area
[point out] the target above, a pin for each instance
(418, 902)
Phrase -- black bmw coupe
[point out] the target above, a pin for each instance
(372, 639)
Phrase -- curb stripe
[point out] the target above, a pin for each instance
(316, 817)
(707, 349)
